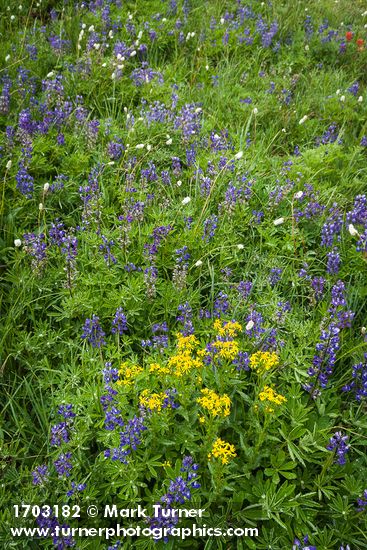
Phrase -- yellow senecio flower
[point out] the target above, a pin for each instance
(152, 401)
(159, 369)
(216, 405)
(128, 373)
(262, 361)
(229, 328)
(271, 396)
(227, 350)
(186, 358)
(223, 450)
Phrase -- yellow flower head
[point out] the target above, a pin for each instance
(159, 369)
(152, 401)
(223, 450)
(269, 395)
(187, 357)
(227, 350)
(229, 328)
(216, 405)
(262, 361)
(128, 373)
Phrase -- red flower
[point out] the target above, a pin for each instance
(349, 36)
(360, 44)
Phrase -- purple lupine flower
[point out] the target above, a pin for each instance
(353, 89)
(318, 286)
(160, 337)
(304, 545)
(362, 502)
(66, 411)
(76, 488)
(363, 142)
(338, 443)
(283, 308)
(189, 121)
(210, 226)
(40, 475)
(25, 182)
(63, 465)
(115, 149)
(110, 374)
(338, 296)
(93, 332)
(329, 136)
(145, 74)
(36, 247)
(242, 361)
(106, 247)
(59, 434)
(185, 317)
(119, 322)
(49, 523)
(358, 385)
(325, 358)
(275, 276)
(221, 304)
(131, 435)
(179, 492)
(112, 418)
(180, 270)
(333, 262)
(244, 288)
(150, 277)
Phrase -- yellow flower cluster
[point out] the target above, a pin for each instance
(227, 350)
(187, 343)
(271, 396)
(152, 401)
(159, 369)
(187, 358)
(262, 361)
(229, 328)
(216, 405)
(128, 373)
(223, 450)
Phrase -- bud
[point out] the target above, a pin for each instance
(363, 330)
(250, 325)
(169, 141)
(298, 195)
(179, 183)
(7, 58)
(149, 147)
(17, 243)
(186, 200)
(140, 146)
(278, 221)
(198, 263)
(8, 165)
(255, 111)
(46, 187)
(360, 99)
(238, 155)
(40, 206)
(303, 119)
(342, 98)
